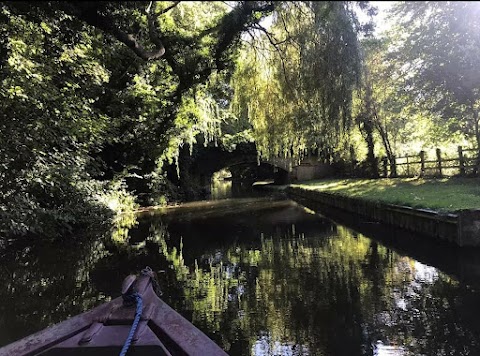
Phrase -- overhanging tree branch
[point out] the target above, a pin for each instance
(168, 8)
(273, 41)
(107, 24)
(95, 14)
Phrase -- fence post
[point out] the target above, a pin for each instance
(461, 161)
(385, 168)
(477, 163)
(422, 163)
(393, 167)
(408, 166)
(439, 162)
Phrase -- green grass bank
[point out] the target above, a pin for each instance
(445, 195)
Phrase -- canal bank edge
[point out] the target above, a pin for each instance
(461, 227)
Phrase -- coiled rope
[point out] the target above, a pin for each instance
(133, 298)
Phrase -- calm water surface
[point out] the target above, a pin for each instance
(260, 277)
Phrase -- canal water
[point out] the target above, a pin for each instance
(260, 276)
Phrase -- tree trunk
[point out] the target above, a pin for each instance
(368, 127)
(385, 140)
(386, 144)
(371, 160)
(477, 136)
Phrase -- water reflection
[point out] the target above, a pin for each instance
(275, 280)
(221, 189)
(228, 188)
(42, 285)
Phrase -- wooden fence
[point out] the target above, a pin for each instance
(465, 163)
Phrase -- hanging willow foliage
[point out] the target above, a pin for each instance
(300, 79)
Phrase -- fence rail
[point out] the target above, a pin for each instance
(464, 164)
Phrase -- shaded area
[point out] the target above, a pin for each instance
(197, 165)
(44, 283)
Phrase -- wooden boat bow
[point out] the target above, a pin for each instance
(104, 329)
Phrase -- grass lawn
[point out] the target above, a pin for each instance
(448, 194)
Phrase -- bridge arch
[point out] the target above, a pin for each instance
(198, 167)
(212, 159)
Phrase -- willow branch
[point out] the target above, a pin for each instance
(273, 41)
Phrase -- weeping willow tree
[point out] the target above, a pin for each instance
(296, 85)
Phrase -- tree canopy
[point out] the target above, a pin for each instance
(440, 54)
(94, 93)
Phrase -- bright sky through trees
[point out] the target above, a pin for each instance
(381, 20)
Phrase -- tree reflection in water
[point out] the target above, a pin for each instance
(272, 282)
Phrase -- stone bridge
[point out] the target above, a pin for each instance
(211, 159)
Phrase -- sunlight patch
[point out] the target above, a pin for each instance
(380, 349)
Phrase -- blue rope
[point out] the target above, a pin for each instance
(138, 314)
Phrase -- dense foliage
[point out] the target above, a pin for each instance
(439, 55)
(96, 96)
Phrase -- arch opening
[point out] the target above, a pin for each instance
(236, 180)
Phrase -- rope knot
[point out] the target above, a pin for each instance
(129, 300)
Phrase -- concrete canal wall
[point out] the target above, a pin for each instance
(461, 228)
